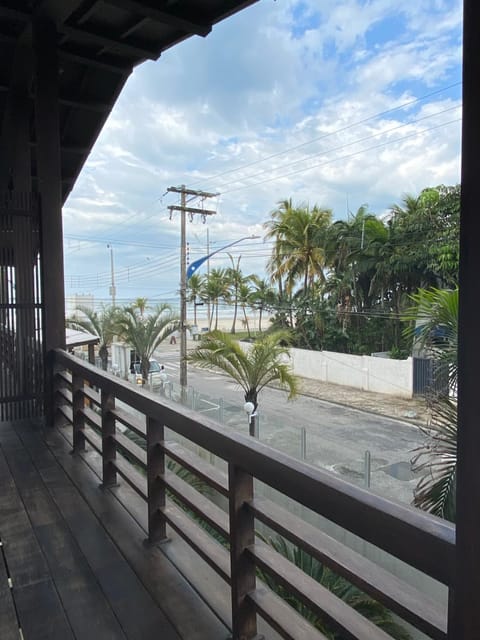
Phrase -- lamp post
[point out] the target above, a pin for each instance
(192, 268)
(252, 415)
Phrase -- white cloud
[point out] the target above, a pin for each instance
(296, 82)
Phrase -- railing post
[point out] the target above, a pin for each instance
(109, 445)
(157, 529)
(242, 535)
(78, 405)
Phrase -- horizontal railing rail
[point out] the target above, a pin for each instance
(222, 530)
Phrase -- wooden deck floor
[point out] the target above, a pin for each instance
(76, 558)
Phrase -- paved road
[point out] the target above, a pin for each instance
(331, 436)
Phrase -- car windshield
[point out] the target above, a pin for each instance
(154, 366)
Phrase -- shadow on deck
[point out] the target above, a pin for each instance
(75, 553)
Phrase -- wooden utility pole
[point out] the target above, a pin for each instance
(184, 192)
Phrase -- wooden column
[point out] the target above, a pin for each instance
(464, 618)
(47, 131)
(109, 445)
(157, 529)
(242, 534)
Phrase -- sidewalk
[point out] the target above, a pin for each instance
(412, 410)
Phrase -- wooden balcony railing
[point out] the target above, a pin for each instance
(424, 542)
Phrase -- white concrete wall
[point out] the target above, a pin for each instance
(394, 377)
(382, 375)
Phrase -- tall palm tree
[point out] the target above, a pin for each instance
(273, 226)
(263, 297)
(195, 289)
(145, 332)
(253, 368)
(245, 300)
(235, 279)
(102, 324)
(216, 289)
(435, 327)
(141, 304)
(299, 253)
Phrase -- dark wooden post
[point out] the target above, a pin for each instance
(157, 529)
(47, 132)
(78, 405)
(109, 445)
(242, 534)
(464, 614)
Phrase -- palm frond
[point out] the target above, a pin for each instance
(436, 459)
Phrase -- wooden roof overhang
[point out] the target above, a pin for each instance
(99, 43)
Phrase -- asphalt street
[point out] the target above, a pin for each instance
(328, 435)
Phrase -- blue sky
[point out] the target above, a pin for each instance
(337, 103)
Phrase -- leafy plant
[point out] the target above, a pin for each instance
(351, 595)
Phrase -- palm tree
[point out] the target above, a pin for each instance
(245, 300)
(141, 304)
(195, 289)
(101, 324)
(435, 318)
(235, 279)
(299, 251)
(263, 297)
(216, 288)
(145, 333)
(252, 368)
(273, 226)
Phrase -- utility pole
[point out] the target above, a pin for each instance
(208, 275)
(184, 192)
(113, 290)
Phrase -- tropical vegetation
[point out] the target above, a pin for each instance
(252, 368)
(435, 332)
(102, 324)
(351, 595)
(345, 285)
(144, 329)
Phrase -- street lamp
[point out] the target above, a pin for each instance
(249, 409)
(192, 268)
(183, 334)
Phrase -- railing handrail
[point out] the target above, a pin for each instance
(415, 537)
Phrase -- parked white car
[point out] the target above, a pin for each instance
(156, 374)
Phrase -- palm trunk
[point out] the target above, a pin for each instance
(233, 329)
(246, 321)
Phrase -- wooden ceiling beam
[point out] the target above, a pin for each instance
(109, 43)
(80, 57)
(89, 105)
(147, 10)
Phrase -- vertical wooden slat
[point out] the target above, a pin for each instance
(109, 445)
(242, 535)
(21, 380)
(78, 405)
(156, 489)
(464, 614)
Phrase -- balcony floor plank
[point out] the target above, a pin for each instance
(68, 557)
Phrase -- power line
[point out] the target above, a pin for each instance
(332, 133)
(351, 155)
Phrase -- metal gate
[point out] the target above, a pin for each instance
(21, 353)
(429, 376)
